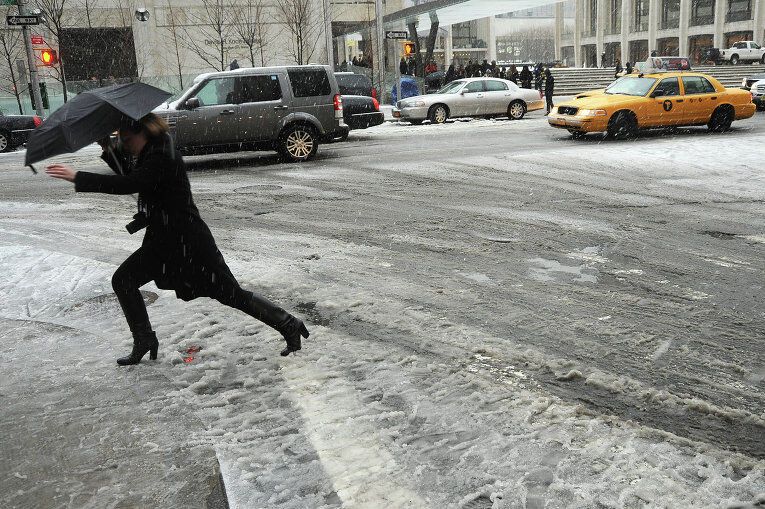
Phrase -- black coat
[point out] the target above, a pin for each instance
(549, 85)
(175, 233)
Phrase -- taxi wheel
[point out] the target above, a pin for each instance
(721, 119)
(577, 135)
(622, 125)
(438, 114)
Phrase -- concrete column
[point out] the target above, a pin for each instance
(626, 24)
(600, 31)
(682, 34)
(759, 22)
(578, 32)
(491, 51)
(448, 51)
(654, 7)
(719, 40)
(558, 30)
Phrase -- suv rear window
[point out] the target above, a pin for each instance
(309, 82)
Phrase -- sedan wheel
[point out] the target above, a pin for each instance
(516, 110)
(438, 114)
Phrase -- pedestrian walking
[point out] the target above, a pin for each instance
(549, 90)
(513, 74)
(538, 77)
(178, 251)
(525, 76)
(628, 68)
(450, 74)
(402, 67)
(234, 65)
(618, 69)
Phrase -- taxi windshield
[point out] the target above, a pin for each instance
(631, 86)
(451, 88)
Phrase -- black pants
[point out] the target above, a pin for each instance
(549, 103)
(142, 266)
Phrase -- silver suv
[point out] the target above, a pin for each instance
(289, 109)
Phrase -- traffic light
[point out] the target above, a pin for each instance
(48, 57)
(409, 49)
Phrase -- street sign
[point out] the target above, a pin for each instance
(22, 20)
(38, 39)
(396, 34)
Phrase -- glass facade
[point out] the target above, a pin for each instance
(615, 17)
(640, 16)
(739, 10)
(702, 12)
(670, 14)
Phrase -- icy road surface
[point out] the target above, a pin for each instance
(500, 316)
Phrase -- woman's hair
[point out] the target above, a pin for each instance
(151, 125)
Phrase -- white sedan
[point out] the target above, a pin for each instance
(471, 97)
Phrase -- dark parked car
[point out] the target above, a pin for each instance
(355, 84)
(360, 112)
(15, 129)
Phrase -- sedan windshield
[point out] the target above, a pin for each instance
(451, 88)
(631, 86)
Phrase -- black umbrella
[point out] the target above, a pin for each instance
(90, 116)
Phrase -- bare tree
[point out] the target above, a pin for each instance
(172, 20)
(54, 18)
(304, 24)
(214, 23)
(251, 25)
(12, 48)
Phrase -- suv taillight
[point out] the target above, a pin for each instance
(374, 93)
(37, 120)
(376, 103)
(338, 104)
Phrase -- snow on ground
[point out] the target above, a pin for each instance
(424, 417)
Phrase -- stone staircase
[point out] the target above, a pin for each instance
(570, 81)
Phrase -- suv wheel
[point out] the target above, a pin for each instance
(5, 142)
(298, 143)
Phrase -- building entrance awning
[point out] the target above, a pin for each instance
(450, 12)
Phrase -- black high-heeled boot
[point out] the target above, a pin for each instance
(292, 331)
(142, 342)
(291, 328)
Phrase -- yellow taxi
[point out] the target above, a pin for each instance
(654, 100)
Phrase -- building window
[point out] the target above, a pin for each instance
(641, 16)
(593, 16)
(463, 35)
(615, 21)
(702, 12)
(670, 14)
(739, 10)
(638, 51)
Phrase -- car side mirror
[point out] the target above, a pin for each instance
(463, 91)
(658, 92)
(192, 103)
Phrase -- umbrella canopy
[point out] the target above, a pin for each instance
(89, 117)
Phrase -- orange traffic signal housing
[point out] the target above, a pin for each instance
(48, 57)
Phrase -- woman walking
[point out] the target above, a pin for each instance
(178, 250)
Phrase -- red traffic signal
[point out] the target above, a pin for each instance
(48, 57)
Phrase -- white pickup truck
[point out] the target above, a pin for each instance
(744, 51)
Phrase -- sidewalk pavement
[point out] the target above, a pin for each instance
(79, 431)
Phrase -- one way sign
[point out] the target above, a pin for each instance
(22, 20)
(396, 34)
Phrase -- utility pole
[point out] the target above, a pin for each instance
(380, 36)
(328, 33)
(31, 59)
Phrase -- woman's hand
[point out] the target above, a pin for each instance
(61, 171)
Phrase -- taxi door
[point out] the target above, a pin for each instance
(701, 98)
(666, 104)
